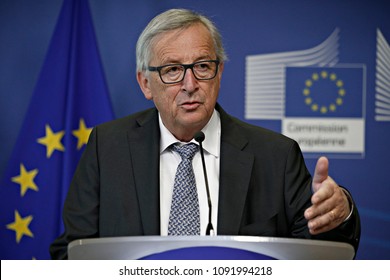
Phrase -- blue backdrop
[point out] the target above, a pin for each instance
(291, 40)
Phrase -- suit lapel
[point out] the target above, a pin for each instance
(144, 152)
(235, 172)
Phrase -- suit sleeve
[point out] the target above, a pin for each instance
(80, 212)
(298, 194)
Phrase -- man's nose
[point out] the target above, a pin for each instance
(190, 83)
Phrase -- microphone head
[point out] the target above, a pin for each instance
(199, 136)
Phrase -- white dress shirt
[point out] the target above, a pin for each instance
(169, 160)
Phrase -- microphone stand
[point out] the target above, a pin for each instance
(199, 137)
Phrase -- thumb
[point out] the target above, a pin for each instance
(320, 173)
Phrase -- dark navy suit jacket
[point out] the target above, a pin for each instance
(264, 189)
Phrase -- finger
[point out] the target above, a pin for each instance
(324, 192)
(324, 223)
(325, 200)
(320, 172)
(328, 221)
(318, 209)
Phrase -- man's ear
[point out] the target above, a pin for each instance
(143, 81)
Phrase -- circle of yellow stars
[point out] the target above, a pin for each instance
(309, 100)
(25, 179)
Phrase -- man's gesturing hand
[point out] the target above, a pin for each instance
(330, 205)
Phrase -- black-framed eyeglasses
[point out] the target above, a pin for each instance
(174, 73)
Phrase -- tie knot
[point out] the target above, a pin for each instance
(186, 151)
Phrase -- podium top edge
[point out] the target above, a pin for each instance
(221, 238)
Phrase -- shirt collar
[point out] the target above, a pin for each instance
(212, 132)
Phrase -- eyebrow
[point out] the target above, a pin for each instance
(175, 61)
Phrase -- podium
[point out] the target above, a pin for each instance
(207, 248)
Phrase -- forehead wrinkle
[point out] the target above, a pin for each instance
(168, 53)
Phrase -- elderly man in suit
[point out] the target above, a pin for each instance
(125, 184)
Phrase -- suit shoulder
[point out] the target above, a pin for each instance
(252, 131)
(128, 122)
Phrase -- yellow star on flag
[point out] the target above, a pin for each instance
(20, 226)
(52, 141)
(82, 134)
(26, 180)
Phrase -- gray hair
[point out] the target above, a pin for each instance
(171, 20)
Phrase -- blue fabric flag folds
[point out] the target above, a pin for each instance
(70, 98)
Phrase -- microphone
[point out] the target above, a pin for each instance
(199, 137)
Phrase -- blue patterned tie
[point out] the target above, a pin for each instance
(184, 217)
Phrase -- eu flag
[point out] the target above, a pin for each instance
(325, 92)
(70, 98)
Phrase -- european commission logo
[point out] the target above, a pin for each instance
(319, 101)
